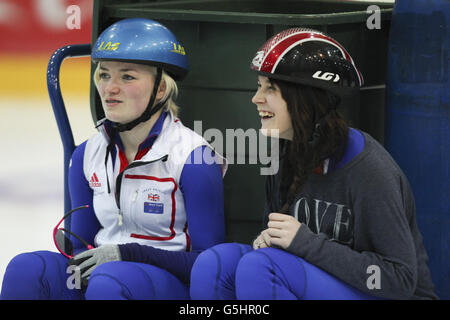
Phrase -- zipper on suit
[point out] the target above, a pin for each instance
(119, 182)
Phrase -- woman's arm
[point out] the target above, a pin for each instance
(84, 222)
(383, 262)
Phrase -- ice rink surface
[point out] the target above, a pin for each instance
(31, 171)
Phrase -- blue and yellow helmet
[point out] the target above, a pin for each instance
(142, 41)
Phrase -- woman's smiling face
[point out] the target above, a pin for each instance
(272, 109)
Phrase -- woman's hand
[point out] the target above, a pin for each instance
(88, 260)
(262, 241)
(281, 230)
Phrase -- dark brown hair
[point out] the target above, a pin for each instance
(308, 106)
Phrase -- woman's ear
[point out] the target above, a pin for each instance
(161, 90)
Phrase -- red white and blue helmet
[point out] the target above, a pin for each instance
(308, 57)
(143, 41)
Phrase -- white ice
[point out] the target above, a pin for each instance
(31, 172)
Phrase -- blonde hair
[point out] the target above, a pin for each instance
(170, 94)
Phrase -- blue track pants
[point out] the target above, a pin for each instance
(236, 271)
(44, 275)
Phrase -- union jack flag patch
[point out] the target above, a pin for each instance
(153, 197)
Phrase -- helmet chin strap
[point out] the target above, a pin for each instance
(149, 111)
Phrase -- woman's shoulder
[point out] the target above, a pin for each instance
(377, 155)
(185, 138)
(186, 132)
(193, 147)
(79, 150)
(95, 143)
(375, 163)
(78, 155)
(88, 149)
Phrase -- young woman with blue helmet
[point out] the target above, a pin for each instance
(154, 197)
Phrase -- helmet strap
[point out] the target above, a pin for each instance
(149, 111)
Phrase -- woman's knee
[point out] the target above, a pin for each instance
(265, 274)
(212, 275)
(122, 280)
(34, 275)
(214, 259)
(106, 282)
(252, 265)
(22, 268)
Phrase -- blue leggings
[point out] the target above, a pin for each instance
(44, 275)
(236, 271)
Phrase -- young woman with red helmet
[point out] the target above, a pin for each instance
(340, 218)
